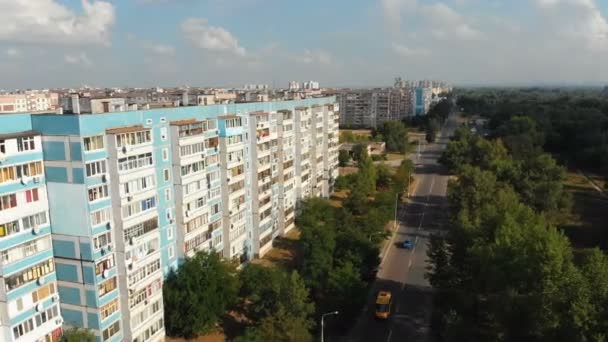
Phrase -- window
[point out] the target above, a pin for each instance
(93, 143)
(100, 216)
(135, 162)
(31, 195)
(9, 228)
(168, 214)
(197, 241)
(43, 292)
(165, 154)
(25, 250)
(236, 122)
(135, 208)
(35, 220)
(141, 228)
(105, 264)
(196, 223)
(23, 328)
(212, 160)
(25, 144)
(96, 168)
(212, 142)
(8, 174)
(217, 239)
(107, 286)
(163, 133)
(171, 252)
(19, 279)
(192, 129)
(3, 146)
(133, 138)
(191, 149)
(102, 240)
(111, 330)
(167, 195)
(166, 175)
(235, 139)
(8, 201)
(195, 167)
(138, 185)
(46, 316)
(169, 233)
(98, 192)
(13, 173)
(143, 272)
(108, 309)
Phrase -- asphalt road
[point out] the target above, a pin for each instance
(402, 271)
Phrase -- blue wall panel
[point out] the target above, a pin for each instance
(85, 251)
(64, 249)
(72, 317)
(91, 298)
(93, 319)
(69, 295)
(67, 272)
(77, 175)
(56, 174)
(53, 150)
(76, 151)
(11, 123)
(89, 274)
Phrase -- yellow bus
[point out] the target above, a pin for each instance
(383, 304)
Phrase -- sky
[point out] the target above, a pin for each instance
(356, 43)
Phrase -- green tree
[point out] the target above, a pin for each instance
(78, 335)
(401, 178)
(384, 175)
(366, 176)
(359, 151)
(395, 136)
(198, 293)
(343, 158)
(346, 293)
(432, 128)
(521, 137)
(317, 242)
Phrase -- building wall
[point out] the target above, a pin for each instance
(28, 281)
(111, 241)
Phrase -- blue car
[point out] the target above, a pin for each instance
(407, 244)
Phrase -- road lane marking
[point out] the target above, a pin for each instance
(390, 333)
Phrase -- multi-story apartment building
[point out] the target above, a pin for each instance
(29, 303)
(131, 194)
(30, 101)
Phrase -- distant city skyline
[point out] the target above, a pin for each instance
(145, 43)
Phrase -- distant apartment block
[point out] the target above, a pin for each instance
(29, 102)
(372, 107)
(95, 210)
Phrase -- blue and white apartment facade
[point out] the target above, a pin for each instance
(96, 209)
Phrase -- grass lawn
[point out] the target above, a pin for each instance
(588, 224)
(395, 156)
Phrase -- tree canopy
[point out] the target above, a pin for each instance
(394, 133)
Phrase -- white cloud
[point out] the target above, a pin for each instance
(404, 51)
(447, 23)
(49, 22)
(12, 52)
(392, 11)
(80, 59)
(576, 20)
(159, 49)
(317, 56)
(211, 38)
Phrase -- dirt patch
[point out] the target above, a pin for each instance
(587, 226)
(347, 170)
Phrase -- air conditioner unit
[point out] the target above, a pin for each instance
(131, 241)
(25, 180)
(108, 226)
(59, 320)
(41, 281)
(129, 198)
(2, 157)
(37, 179)
(109, 248)
(126, 149)
(105, 273)
(35, 230)
(104, 178)
(171, 221)
(188, 213)
(55, 298)
(39, 307)
(103, 251)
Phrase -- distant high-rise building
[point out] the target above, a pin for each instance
(30, 101)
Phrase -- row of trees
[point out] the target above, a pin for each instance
(337, 255)
(572, 124)
(339, 246)
(504, 272)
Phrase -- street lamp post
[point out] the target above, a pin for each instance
(396, 207)
(323, 323)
